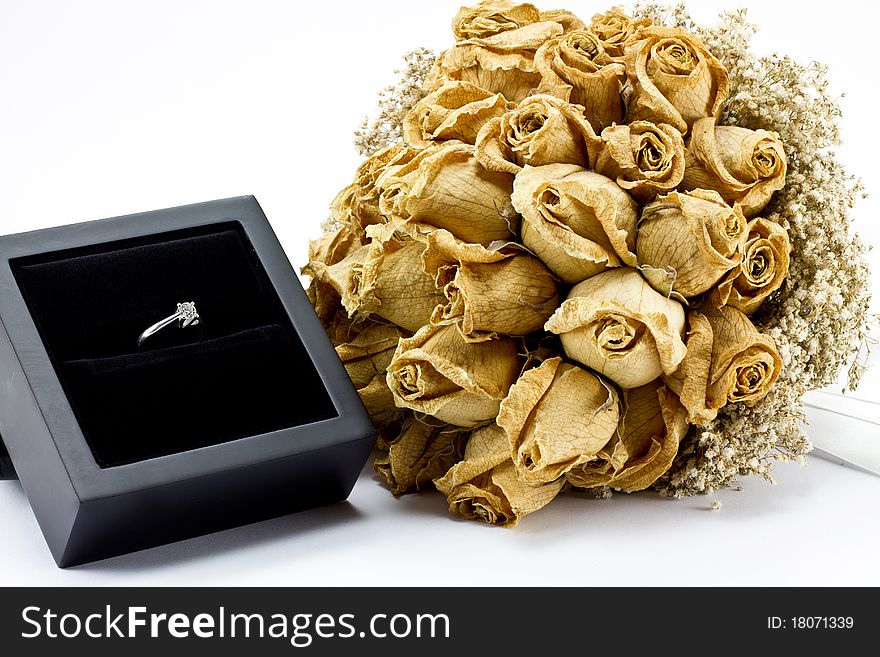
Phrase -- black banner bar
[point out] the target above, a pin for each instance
(444, 621)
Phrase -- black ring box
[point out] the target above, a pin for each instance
(119, 449)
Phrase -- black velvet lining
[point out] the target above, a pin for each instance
(243, 372)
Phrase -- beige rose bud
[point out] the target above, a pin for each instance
(462, 383)
(575, 68)
(744, 166)
(501, 63)
(577, 222)
(388, 281)
(687, 242)
(728, 360)
(674, 79)
(369, 352)
(340, 328)
(334, 246)
(343, 210)
(762, 271)
(617, 325)
(645, 159)
(489, 291)
(485, 486)
(384, 413)
(365, 201)
(490, 17)
(540, 130)
(614, 28)
(330, 261)
(449, 189)
(366, 355)
(565, 18)
(642, 450)
(421, 453)
(557, 416)
(394, 183)
(455, 111)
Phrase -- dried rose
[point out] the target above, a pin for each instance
(455, 111)
(575, 68)
(490, 17)
(674, 79)
(614, 28)
(645, 159)
(384, 413)
(330, 261)
(339, 327)
(449, 189)
(420, 454)
(366, 355)
(501, 63)
(335, 245)
(744, 166)
(364, 204)
(369, 352)
(485, 486)
(688, 242)
(556, 417)
(728, 360)
(541, 130)
(565, 18)
(489, 291)
(343, 211)
(462, 383)
(577, 222)
(388, 281)
(617, 325)
(392, 185)
(651, 428)
(763, 268)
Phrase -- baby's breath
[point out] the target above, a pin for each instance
(395, 102)
(819, 318)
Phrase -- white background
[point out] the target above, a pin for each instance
(109, 108)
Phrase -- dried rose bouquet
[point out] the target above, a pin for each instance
(584, 255)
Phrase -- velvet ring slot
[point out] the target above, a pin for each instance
(249, 374)
(250, 417)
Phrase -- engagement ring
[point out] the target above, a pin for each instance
(186, 315)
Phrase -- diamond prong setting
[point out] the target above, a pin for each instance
(187, 314)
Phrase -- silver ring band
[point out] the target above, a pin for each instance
(185, 315)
